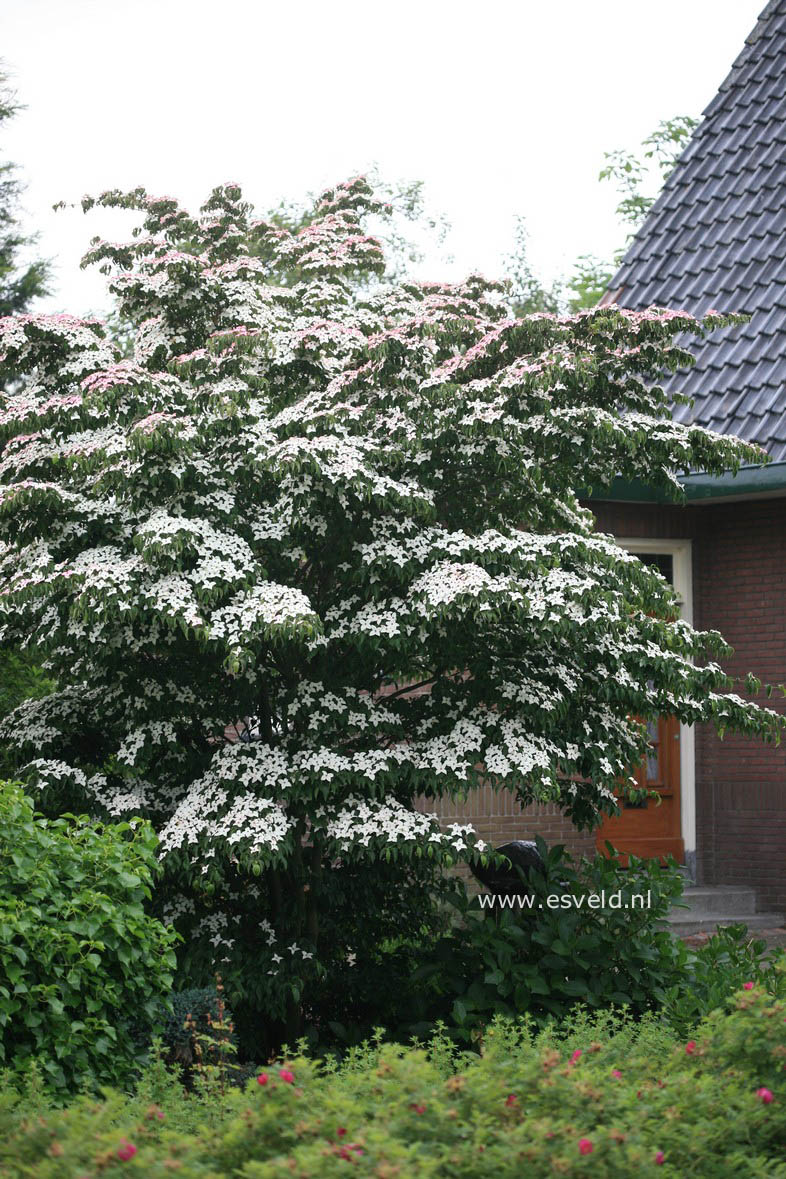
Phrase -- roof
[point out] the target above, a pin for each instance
(716, 237)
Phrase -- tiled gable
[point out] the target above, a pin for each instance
(716, 237)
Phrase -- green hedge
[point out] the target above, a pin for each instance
(599, 1102)
(83, 967)
(544, 960)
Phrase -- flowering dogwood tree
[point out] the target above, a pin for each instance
(315, 552)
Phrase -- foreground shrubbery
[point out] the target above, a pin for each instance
(604, 1097)
(82, 965)
(544, 961)
(85, 972)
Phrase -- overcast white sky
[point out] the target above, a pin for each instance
(502, 107)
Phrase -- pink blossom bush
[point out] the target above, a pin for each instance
(412, 1112)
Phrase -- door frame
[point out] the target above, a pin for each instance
(681, 552)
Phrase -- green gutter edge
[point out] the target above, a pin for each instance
(759, 481)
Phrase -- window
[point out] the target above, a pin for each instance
(663, 562)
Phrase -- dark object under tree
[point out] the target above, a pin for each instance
(505, 879)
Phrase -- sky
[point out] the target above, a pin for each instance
(502, 109)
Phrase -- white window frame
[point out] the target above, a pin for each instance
(681, 553)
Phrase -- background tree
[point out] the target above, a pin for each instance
(315, 553)
(528, 293)
(21, 282)
(631, 171)
(633, 174)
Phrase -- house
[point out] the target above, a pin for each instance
(716, 237)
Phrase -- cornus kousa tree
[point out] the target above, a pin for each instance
(315, 553)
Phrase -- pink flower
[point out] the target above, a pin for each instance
(419, 1109)
(511, 1099)
(576, 1056)
(660, 1158)
(346, 1152)
(585, 1146)
(748, 986)
(126, 1151)
(262, 1079)
(690, 1047)
(340, 1132)
(286, 1076)
(615, 1072)
(764, 1095)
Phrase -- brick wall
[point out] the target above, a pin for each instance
(499, 818)
(739, 588)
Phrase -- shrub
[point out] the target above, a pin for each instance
(599, 1096)
(717, 969)
(187, 1014)
(79, 957)
(545, 961)
(378, 919)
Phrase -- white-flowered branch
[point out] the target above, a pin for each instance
(303, 494)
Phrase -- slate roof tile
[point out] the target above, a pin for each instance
(716, 236)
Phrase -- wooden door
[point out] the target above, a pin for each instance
(653, 827)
